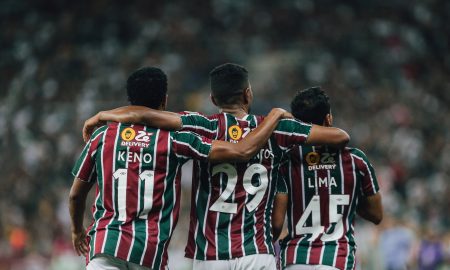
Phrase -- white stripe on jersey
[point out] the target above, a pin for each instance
(146, 223)
(112, 186)
(368, 169)
(342, 192)
(125, 196)
(192, 148)
(290, 133)
(98, 196)
(350, 207)
(174, 196)
(199, 127)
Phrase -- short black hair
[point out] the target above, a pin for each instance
(228, 81)
(147, 86)
(311, 105)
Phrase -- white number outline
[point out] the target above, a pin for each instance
(148, 179)
(316, 229)
(220, 205)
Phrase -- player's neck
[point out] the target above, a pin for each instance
(238, 112)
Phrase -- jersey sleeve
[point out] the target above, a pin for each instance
(199, 123)
(290, 132)
(369, 182)
(84, 168)
(187, 145)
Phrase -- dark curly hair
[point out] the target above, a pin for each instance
(311, 105)
(147, 86)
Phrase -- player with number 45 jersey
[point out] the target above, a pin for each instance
(231, 204)
(326, 188)
(136, 169)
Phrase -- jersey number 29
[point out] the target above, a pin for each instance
(220, 205)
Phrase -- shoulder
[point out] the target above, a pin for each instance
(99, 132)
(200, 115)
(356, 152)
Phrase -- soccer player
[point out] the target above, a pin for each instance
(231, 203)
(326, 187)
(136, 169)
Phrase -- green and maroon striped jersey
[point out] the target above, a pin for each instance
(137, 172)
(324, 186)
(231, 203)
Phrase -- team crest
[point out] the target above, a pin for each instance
(312, 158)
(128, 134)
(235, 132)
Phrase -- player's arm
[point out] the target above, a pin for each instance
(244, 150)
(369, 203)
(278, 214)
(331, 136)
(77, 206)
(371, 208)
(136, 115)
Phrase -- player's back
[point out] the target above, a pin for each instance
(136, 205)
(323, 186)
(231, 202)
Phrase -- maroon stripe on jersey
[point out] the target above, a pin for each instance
(154, 215)
(317, 244)
(236, 223)
(126, 235)
(260, 212)
(347, 169)
(87, 167)
(193, 221)
(210, 225)
(108, 185)
(297, 188)
(212, 216)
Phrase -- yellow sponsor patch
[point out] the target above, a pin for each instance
(128, 134)
(235, 132)
(312, 158)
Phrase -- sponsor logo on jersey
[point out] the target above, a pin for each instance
(322, 161)
(128, 134)
(235, 132)
(129, 138)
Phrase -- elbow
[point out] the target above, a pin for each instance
(377, 219)
(344, 138)
(246, 154)
(75, 197)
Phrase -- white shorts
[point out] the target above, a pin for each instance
(309, 267)
(250, 262)
(107, 262)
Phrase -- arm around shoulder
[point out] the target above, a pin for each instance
(332, 136)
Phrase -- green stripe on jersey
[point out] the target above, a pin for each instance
(113, 229)
(140, 228)
(99, 201)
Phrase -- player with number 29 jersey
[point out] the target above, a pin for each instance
(136, 212)
(231, 202)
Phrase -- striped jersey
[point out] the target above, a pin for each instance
(137, 171)
(231, 203)
(324, 186)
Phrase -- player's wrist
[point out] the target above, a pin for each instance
(77, 230)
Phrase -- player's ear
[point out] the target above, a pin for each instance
(328, 122)
(213, 100)
(164, 103)
(248, 95)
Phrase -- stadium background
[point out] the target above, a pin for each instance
(385, 65)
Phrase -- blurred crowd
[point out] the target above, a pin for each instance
(385, 65)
